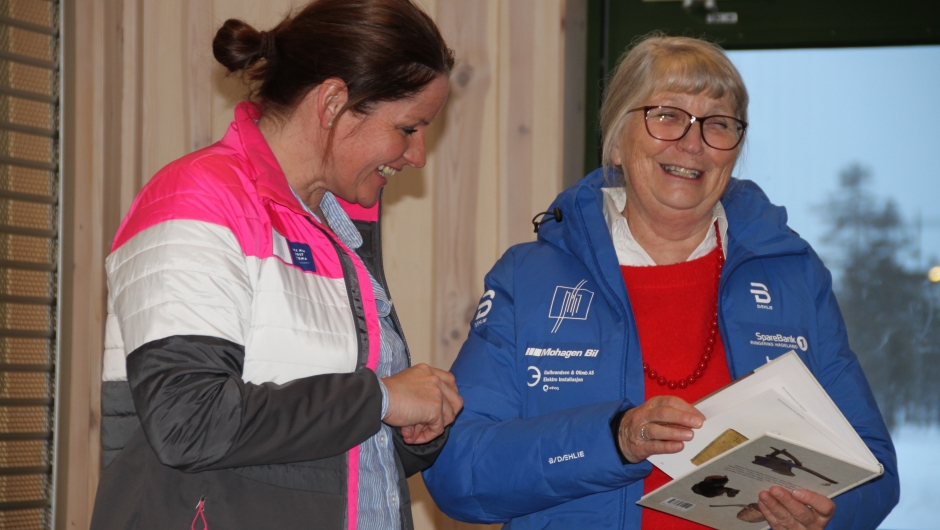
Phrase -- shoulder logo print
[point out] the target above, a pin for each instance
(486, 304)
(570, 303)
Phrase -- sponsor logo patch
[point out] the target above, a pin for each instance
(559, 365)
(761, 296)
(779, 340)
(536, 376)
(558, 352)
(570, 303)
(765, 339)
(564, 458)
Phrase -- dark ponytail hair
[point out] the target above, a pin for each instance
(384, 50)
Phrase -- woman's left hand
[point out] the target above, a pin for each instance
(799, 510)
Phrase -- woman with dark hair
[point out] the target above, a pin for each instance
(255, 374)
(591, 343)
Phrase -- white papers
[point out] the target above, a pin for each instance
(782, 398)
(768, 412)
(774, 426)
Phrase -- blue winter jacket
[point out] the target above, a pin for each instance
(553, 354)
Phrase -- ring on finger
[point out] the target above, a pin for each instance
(643, 434)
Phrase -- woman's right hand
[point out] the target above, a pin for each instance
(422, 400)
(658, 426)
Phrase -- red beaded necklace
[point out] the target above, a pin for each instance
(709, 343)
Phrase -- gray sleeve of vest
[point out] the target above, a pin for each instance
(198, 413)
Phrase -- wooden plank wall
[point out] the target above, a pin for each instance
(141, 88)
(94, 188)
(457, 173)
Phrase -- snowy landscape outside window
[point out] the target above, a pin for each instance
(846, 139)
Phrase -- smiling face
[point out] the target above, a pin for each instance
(369, 149)
(676, 181)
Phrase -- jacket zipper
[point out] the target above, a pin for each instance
(626, 341)
(626, 337)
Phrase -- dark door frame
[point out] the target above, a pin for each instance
(761, 24)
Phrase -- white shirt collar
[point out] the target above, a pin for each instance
(630, 253)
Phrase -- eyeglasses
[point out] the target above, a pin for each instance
(671, 124)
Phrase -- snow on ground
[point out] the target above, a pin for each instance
(919, 468)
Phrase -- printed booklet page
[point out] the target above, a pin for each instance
(776, 425)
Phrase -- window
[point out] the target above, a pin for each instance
(757, 24)
(842, 138)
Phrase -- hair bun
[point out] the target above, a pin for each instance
(384, 50)
(268, 45)
(237, 45)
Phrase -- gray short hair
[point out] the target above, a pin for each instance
(667, 64)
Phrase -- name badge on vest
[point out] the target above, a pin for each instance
(297, 254)
(302, 256)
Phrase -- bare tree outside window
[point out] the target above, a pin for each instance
(890, 308)
(832, 140)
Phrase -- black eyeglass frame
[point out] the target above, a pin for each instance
(701, 121)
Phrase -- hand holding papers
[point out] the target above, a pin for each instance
(774, 426)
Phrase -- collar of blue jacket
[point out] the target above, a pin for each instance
(754, 218)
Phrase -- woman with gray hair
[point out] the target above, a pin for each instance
(641, 295)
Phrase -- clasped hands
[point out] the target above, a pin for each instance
(422, 400)
(663, 423)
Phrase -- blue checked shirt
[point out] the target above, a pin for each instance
(379, 500)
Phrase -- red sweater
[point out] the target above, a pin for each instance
(673, 307)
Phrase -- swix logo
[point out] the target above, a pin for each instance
(570, 303)
(761, 295)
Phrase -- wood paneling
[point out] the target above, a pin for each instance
(517, 77)
(575, 29)
(197, 80)
(531, 113)
(89, 36)
(457, 170)
(548, 95)
(132, 88)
